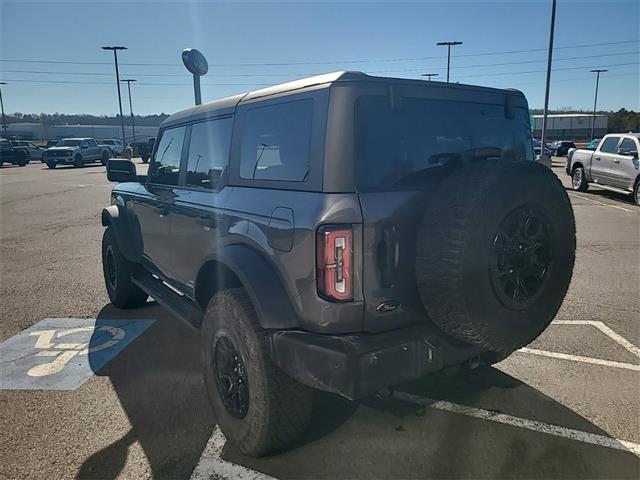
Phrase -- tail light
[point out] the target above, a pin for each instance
(335, 263)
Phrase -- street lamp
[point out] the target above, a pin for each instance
(429, 75)
(4, 122)
(597, 71)
(133, 126)
(115, 58)
(552, 27)
(449, 45)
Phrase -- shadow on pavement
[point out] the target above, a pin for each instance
(158, 381)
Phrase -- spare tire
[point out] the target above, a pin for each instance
(495, 253)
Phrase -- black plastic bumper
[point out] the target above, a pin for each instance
(358, 365)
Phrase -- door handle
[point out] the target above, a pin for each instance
(616, 161)
(597, 158)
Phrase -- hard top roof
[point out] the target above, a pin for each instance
(327, 79)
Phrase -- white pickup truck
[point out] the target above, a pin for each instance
(614, 165)
(77, 152)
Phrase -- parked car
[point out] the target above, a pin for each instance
(12, 154)
(142, 149)
(593, 144)
(341, 232)
(561, 147)
(52, 143)
(77, 152)
(35, 152)
(613, 165)
(537, 148)
(115, 145)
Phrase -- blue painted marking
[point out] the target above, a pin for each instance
(63, 353)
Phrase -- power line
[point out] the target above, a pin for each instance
(48, 72)
(341, 62)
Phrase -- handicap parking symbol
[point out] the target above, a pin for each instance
(62, 353)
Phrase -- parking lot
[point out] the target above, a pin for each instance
(567, 406)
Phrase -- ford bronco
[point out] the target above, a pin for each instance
(345, 233)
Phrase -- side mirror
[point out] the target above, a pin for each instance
(121, 170)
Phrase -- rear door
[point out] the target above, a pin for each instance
(627, 166)
(197, 214)
(603, 168)
(404, 142)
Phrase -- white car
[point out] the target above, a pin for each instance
(34, 150)
(115, 145)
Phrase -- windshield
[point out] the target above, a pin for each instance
(68, 143)
(391, 146)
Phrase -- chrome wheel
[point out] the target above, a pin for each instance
(577, 178)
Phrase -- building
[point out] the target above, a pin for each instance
(38, 131)
(570, 126)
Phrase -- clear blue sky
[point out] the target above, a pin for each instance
(303, 32)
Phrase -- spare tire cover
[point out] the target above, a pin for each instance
(495, 253)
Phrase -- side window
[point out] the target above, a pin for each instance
(165, 166)
(610, 145)
(92, 143)
(208, 152)
(629, 145)
(276, 142)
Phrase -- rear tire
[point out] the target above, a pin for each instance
(258, 407)
(118, 271)
(105, 158)
(495, 253)
(578, 180)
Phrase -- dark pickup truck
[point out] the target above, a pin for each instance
(345, 233)
(13, 155)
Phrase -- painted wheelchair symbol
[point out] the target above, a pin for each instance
(64, 352)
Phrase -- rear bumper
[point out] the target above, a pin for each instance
(358, 365)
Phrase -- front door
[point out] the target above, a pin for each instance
(153, 205)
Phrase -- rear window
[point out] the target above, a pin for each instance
(393, 147)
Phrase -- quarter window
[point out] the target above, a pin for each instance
(208, 152)
(276, 142)
(610, 145)
(165, 166)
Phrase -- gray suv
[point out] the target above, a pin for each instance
(344, 233)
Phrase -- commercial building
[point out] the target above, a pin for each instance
(38, 131)
(570, 126)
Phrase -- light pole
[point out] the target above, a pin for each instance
(429, 75)
(449, 45)
(546, 92)
(597, 71)
(4, 122)
(115, 58)
(133, 126)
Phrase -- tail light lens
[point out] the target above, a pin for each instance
(335, 263)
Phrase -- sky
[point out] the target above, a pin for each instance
(50, 53)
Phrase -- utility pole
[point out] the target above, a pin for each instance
(133, 126)
(546, 92)
(429, 75)
(597, 71)
(115, 58)
(4, 122)
(449, 45)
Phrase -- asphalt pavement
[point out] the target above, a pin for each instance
(567, 406)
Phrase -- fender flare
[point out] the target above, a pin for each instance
(262, 283)
(114, 216)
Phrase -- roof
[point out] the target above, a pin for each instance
(569, 115)
(326, 80)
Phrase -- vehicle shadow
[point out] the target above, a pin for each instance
(158, 381)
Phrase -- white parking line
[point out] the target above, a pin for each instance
(619, 339)
(578, 358)
(533, 425)
(601, 203)
(212, 466)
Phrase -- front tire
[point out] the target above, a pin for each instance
(51, 165)
(579, 180)
(258, 407)
(636, 192)
(118, 271)
(78, 162)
